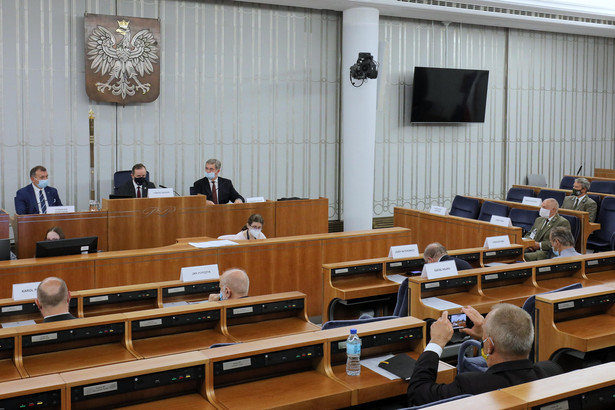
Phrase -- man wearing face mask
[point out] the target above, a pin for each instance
(234, 284)
(539, 234)
(137, 187)
(217, 189)
(579, 201)
(562, 243)
(37, 197)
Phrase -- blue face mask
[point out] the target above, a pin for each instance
(43, 183)
(556, 253)
(210, 175)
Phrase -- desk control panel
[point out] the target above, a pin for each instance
(28, 308)
(564, 267)
(513, 274)
(134, 383)
(469, 257)
(599, 399)
(356, 270)
(264, 308)
(590, 301)
(120, 297)
(268, 359)
(69, 335)
(186, 289)
(449, 283)
(411, 263)
(381, 339)
(42, 400)
(7, 343)
(503, 253)
(600, 262)
(176, 320)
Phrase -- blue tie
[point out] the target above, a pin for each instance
(41, 199)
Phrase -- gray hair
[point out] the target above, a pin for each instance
(52, 292)
(237, 281)
(553, 202)
(584, 183)
(214, 162)
(510, 328)
(563, 235)
(434, 250)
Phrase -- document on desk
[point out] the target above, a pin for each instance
(439, 304)
(373, 362)
(20, 323)
(212, 244)
(397, 278)
(171, 304)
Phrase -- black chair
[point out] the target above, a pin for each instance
(604, 187)
(5, 255)
(121, 177)
(333, 324)
(192, 190)
(549, 193)
(523, 218)
(401, 307)
(597, 199)
(575, 226)
(491, 208)
(517, 194)
(567, 182)
(604, 238)
(465, 207)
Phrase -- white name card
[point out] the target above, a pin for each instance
(203, 272)
(440, 269)
(530, 200)
(255, 199)
(403, 251)
(160, 193)
(23, 291)
(500, 221)
(60, 209)
(438, 210)
(497, 242)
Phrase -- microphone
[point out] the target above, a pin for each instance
(174, 191)
(579, 171)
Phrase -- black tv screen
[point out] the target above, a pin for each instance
(449, 95)
(72, 246)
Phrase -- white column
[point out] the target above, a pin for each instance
(359, 34)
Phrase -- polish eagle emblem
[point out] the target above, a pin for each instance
(125, 62)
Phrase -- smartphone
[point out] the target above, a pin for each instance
(460, 321)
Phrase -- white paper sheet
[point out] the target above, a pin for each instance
(171, 304)
(20, 323)
(396, 278)
(372, 364)
(439, 304)
(212, 244)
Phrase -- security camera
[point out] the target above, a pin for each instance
(364, 68)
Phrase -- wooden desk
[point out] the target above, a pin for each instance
(22, 310)
(603, 177)
(29, 229)
(9, 370)
(604, 173)
(600, 267)
(387, 337)
(511, 283)
(146, 384)
(564, 390)
(228, 219)
(301, 217)
(451, 231)
(39, 392)
(4, 224)
(496, 399)
(559, 272)
(581, 319)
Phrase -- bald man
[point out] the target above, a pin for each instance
(548, 219)
(234, 284)
(52, 298)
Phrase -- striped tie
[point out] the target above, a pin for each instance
(41, 199)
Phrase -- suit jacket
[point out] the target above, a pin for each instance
(460, 263)
(58, 318)
(586, 205)
(26, 201)
(542, 233)
(128, 189)
(424, 389)
(226, 192)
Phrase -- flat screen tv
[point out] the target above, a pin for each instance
(72, 246)
(449, 95)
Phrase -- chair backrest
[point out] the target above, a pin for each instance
(605, 187)
(517, 194)
(465, 207)
(567, 182)
(491, 208)
(606, 219)
(549, 193)
(401, 307)
(121, 177)
(192, 190)
(470, 363)
(332, 324)
(5, 253)
(575, 226)
(597, 199)
(523, 218)
(536, 180)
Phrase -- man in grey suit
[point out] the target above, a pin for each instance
(548, 219)
(579, 201)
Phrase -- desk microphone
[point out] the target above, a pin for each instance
(579, 171)
(174, 192)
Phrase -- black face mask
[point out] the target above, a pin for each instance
(576, 192)
(140, 181)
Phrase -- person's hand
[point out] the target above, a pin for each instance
(238, 201)
(476, 332)
(210, 202)
(536, 246)
(441, 330)
(214, 297)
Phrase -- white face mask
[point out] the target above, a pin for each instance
(254, 232)
(544, 213)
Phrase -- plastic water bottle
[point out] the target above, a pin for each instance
(353, 354)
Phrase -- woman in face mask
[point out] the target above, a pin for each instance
(251, 230)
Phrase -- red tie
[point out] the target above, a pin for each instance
(214, 194)
(138, 191)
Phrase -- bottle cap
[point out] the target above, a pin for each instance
(353, 331)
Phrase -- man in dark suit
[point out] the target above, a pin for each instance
(507, 334)
(548, 219)
(137, 186)
(217, 189)
(234, 284)
(436, 252)
(52, 298)
(579, 201)
(38, 196)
